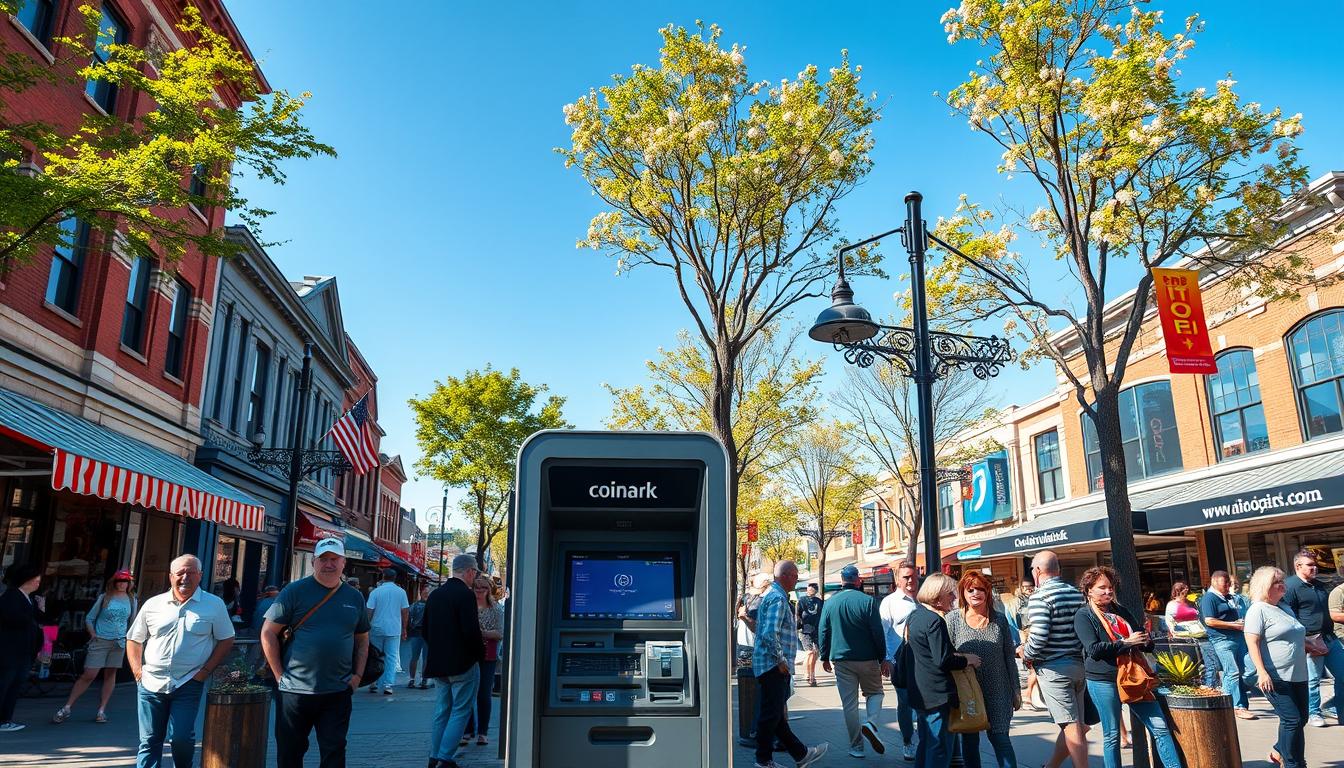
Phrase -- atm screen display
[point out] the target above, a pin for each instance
(611, 585)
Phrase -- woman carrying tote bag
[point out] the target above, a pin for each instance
(1113, 642)
(976, 628)
(933, 694)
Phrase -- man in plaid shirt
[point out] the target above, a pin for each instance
(772, 664)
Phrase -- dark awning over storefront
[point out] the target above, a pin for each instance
(312, 529)
(1080, 525)
(361, 547)
(1290, 487)
(93, 460)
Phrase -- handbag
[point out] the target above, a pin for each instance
(970, 715)
(1134, 679)
(373, 663)
(287, 634)
(904, 661)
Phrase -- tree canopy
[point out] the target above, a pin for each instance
(131, 175)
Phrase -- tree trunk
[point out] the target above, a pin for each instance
(480, 538)
(721, 408)
(1115, 487)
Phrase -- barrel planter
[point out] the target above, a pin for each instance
(1205, 729)
(236, 730)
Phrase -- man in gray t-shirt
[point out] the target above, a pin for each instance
(315, 671)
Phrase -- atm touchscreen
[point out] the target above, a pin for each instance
(638, 586)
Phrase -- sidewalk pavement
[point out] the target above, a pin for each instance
(393, 731)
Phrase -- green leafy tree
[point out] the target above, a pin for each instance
(727, 184)
(776, 525)
(130, 176)
(1130, 168)
(470, 429)
(826, 482)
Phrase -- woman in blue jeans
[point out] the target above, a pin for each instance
(1108, 633)
(933, 694)
(491, 616)
(1276, 645)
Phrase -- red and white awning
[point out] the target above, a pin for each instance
(91, 477)
(93, 460)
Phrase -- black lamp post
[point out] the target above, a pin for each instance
(922, 354)
(295, 463)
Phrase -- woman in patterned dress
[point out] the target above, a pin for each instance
(491, 616)
(975, 627)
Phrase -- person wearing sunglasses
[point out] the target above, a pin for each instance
(107, 622)
(977, 629)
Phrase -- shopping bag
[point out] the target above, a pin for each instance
(969, 716)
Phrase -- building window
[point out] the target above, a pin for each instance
(177, 331)
(1049, 474)
(1147, 432)
(945, 506)
(1317, 349)
(222, 362)
(277, 420)
(1234, 402)
(197, 186)
(244, 333)
(67, 265)
(256, 405)
(870, 513)
(111, 31)
(137, 304)
(37, 17)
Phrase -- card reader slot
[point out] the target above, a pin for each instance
(620, 735)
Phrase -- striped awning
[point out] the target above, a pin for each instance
(95, 461)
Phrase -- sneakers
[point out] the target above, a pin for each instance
(387, 690)
(908, 752)
(1315, 721)
(1245, 714)
(814, 754)
(11, 726)
(857, 752)
(870, 733)
(373, 688)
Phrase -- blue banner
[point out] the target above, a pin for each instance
(991, 497)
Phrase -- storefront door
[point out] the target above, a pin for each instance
(159, 544)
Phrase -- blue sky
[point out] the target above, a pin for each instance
(450, 222)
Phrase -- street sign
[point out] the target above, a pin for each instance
(1181, 310)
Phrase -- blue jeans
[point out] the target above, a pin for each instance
(390, 645)
(156, 711)
(1333, 660)
(1290, 704)
(1230, 652)
(1107, 698)
(1211, 663)
(479, 722)
(935, 740)
(1004, 756)
(456, 698)
(905, 714)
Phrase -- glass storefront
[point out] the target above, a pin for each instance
(1250, 550)
(84, 550)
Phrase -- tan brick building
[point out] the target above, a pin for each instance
(1233, 470)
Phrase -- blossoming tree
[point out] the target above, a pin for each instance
(727, 184)
(1084, 98)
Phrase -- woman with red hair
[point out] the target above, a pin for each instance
(976, 628)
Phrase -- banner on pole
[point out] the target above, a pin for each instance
(751, 530)
(1181, 310)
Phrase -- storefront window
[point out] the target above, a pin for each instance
(1148, 433)
(945, 506)
(85, 550)
(226, 557)
(870, 513)
(1317, 356)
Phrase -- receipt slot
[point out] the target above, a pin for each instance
(619, 574)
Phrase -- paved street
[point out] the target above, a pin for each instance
(393, 731)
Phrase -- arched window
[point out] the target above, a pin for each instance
(1316, 350)
(1234, 404)
(1148, 431)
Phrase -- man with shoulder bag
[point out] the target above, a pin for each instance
(316, 643)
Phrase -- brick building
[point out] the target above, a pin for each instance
(103, 359)
(1226, 471)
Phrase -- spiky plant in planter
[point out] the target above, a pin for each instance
(1182, 673)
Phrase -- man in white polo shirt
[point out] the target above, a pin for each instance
(174, 644)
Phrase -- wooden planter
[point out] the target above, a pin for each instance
(236, 730)
(1205, 730)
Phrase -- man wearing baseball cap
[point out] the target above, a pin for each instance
(322, 663)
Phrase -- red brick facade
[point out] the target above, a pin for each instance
(357, 495)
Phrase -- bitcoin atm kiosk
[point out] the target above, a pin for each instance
(619, 570)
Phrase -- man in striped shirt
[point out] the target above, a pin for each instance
(1053, 649)
(772, 664)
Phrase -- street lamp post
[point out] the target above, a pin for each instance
(294, 462)
(923, 354)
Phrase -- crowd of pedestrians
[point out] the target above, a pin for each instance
(316, 636)
(1073, 645)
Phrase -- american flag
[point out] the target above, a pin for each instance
(353, 435)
